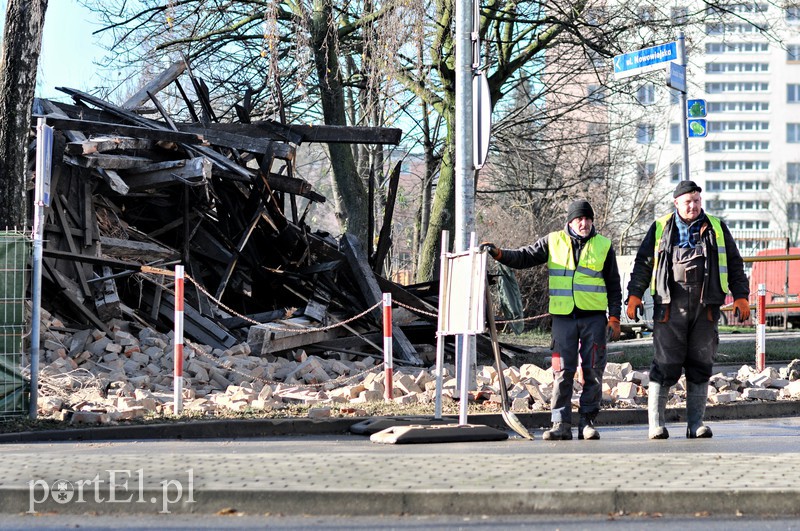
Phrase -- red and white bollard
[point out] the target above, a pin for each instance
(177, 353)
(388, 364)
(761, 328)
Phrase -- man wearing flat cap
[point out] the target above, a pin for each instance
(584, 283)
(689, 261)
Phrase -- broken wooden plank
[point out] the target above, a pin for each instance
(145, 251)
(190, 171)
(87, 126)
(333, 134)
(243, 137)
(106, 161)
(285, 335)
(157, 84)
(365, 279)
(114, 181)
(107, 143)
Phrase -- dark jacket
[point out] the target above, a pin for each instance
(712, 293)
(538, 253)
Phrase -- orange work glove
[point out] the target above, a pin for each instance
(612, 330)
(741, 307)
(492, 249)
(634, 303)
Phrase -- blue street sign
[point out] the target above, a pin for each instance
(645, 60)
(696, 108)
(698, 128)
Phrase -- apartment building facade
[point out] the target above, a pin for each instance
(748, 73)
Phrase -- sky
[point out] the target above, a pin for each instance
(68, 49)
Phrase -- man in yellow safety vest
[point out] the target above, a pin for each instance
(583, 283)
(689, 261)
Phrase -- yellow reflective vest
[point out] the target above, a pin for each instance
(580, 286)
(722, 255)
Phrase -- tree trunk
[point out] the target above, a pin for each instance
(442, 215)
(22, 43)
(350, 197)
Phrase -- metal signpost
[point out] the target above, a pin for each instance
(44, 158)
(671, 57)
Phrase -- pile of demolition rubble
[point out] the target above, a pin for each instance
(86, 377)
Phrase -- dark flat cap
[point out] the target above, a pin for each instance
(686, 187)
(580, 209)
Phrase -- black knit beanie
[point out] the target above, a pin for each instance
(579, 209)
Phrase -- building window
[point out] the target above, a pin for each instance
(718, 126)
(793, 172)
(736, 68)
(675, 171)
(646, 13)
(793, 133)
(737, 106)
(793, 14)
(646, 94)
(674, 97)
(596, 94)
(674, 133)
(645, 133)
(793, 211)
(741, 86)
(792, 93)
(736, 47)
(679, 15)
(645, 171)
(719, 146)
(793, 52)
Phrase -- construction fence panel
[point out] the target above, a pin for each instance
(15, 252)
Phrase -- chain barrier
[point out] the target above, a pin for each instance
(415, 310)
(299, 331)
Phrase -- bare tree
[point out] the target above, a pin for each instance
(22, 42)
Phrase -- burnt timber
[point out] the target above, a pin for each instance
(133, 195)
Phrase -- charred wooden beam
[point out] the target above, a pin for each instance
(243, 137)
(157, 84)
(107, 143)
(192, 171)
(87, 126)
(106, 161)
(146, 251)
(365, 279)
(332, 134)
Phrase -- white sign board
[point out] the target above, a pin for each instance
(463, 308)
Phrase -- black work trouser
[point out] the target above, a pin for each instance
(687, 340)
(574, 336)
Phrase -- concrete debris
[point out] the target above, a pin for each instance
(94, 378)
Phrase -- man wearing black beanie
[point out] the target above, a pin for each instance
(689, 261)
(584, 283)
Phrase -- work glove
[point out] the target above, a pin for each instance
(612, 329)
(741, 309)
(492, 249)
(635, 307)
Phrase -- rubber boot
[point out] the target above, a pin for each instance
(696, 398)
(657, 396)
(561, 431)
(586, 429)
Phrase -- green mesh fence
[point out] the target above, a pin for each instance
(14, 273)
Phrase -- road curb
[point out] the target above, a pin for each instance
(713, 500)
(255, 428)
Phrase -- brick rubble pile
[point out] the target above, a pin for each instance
(87, 377)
